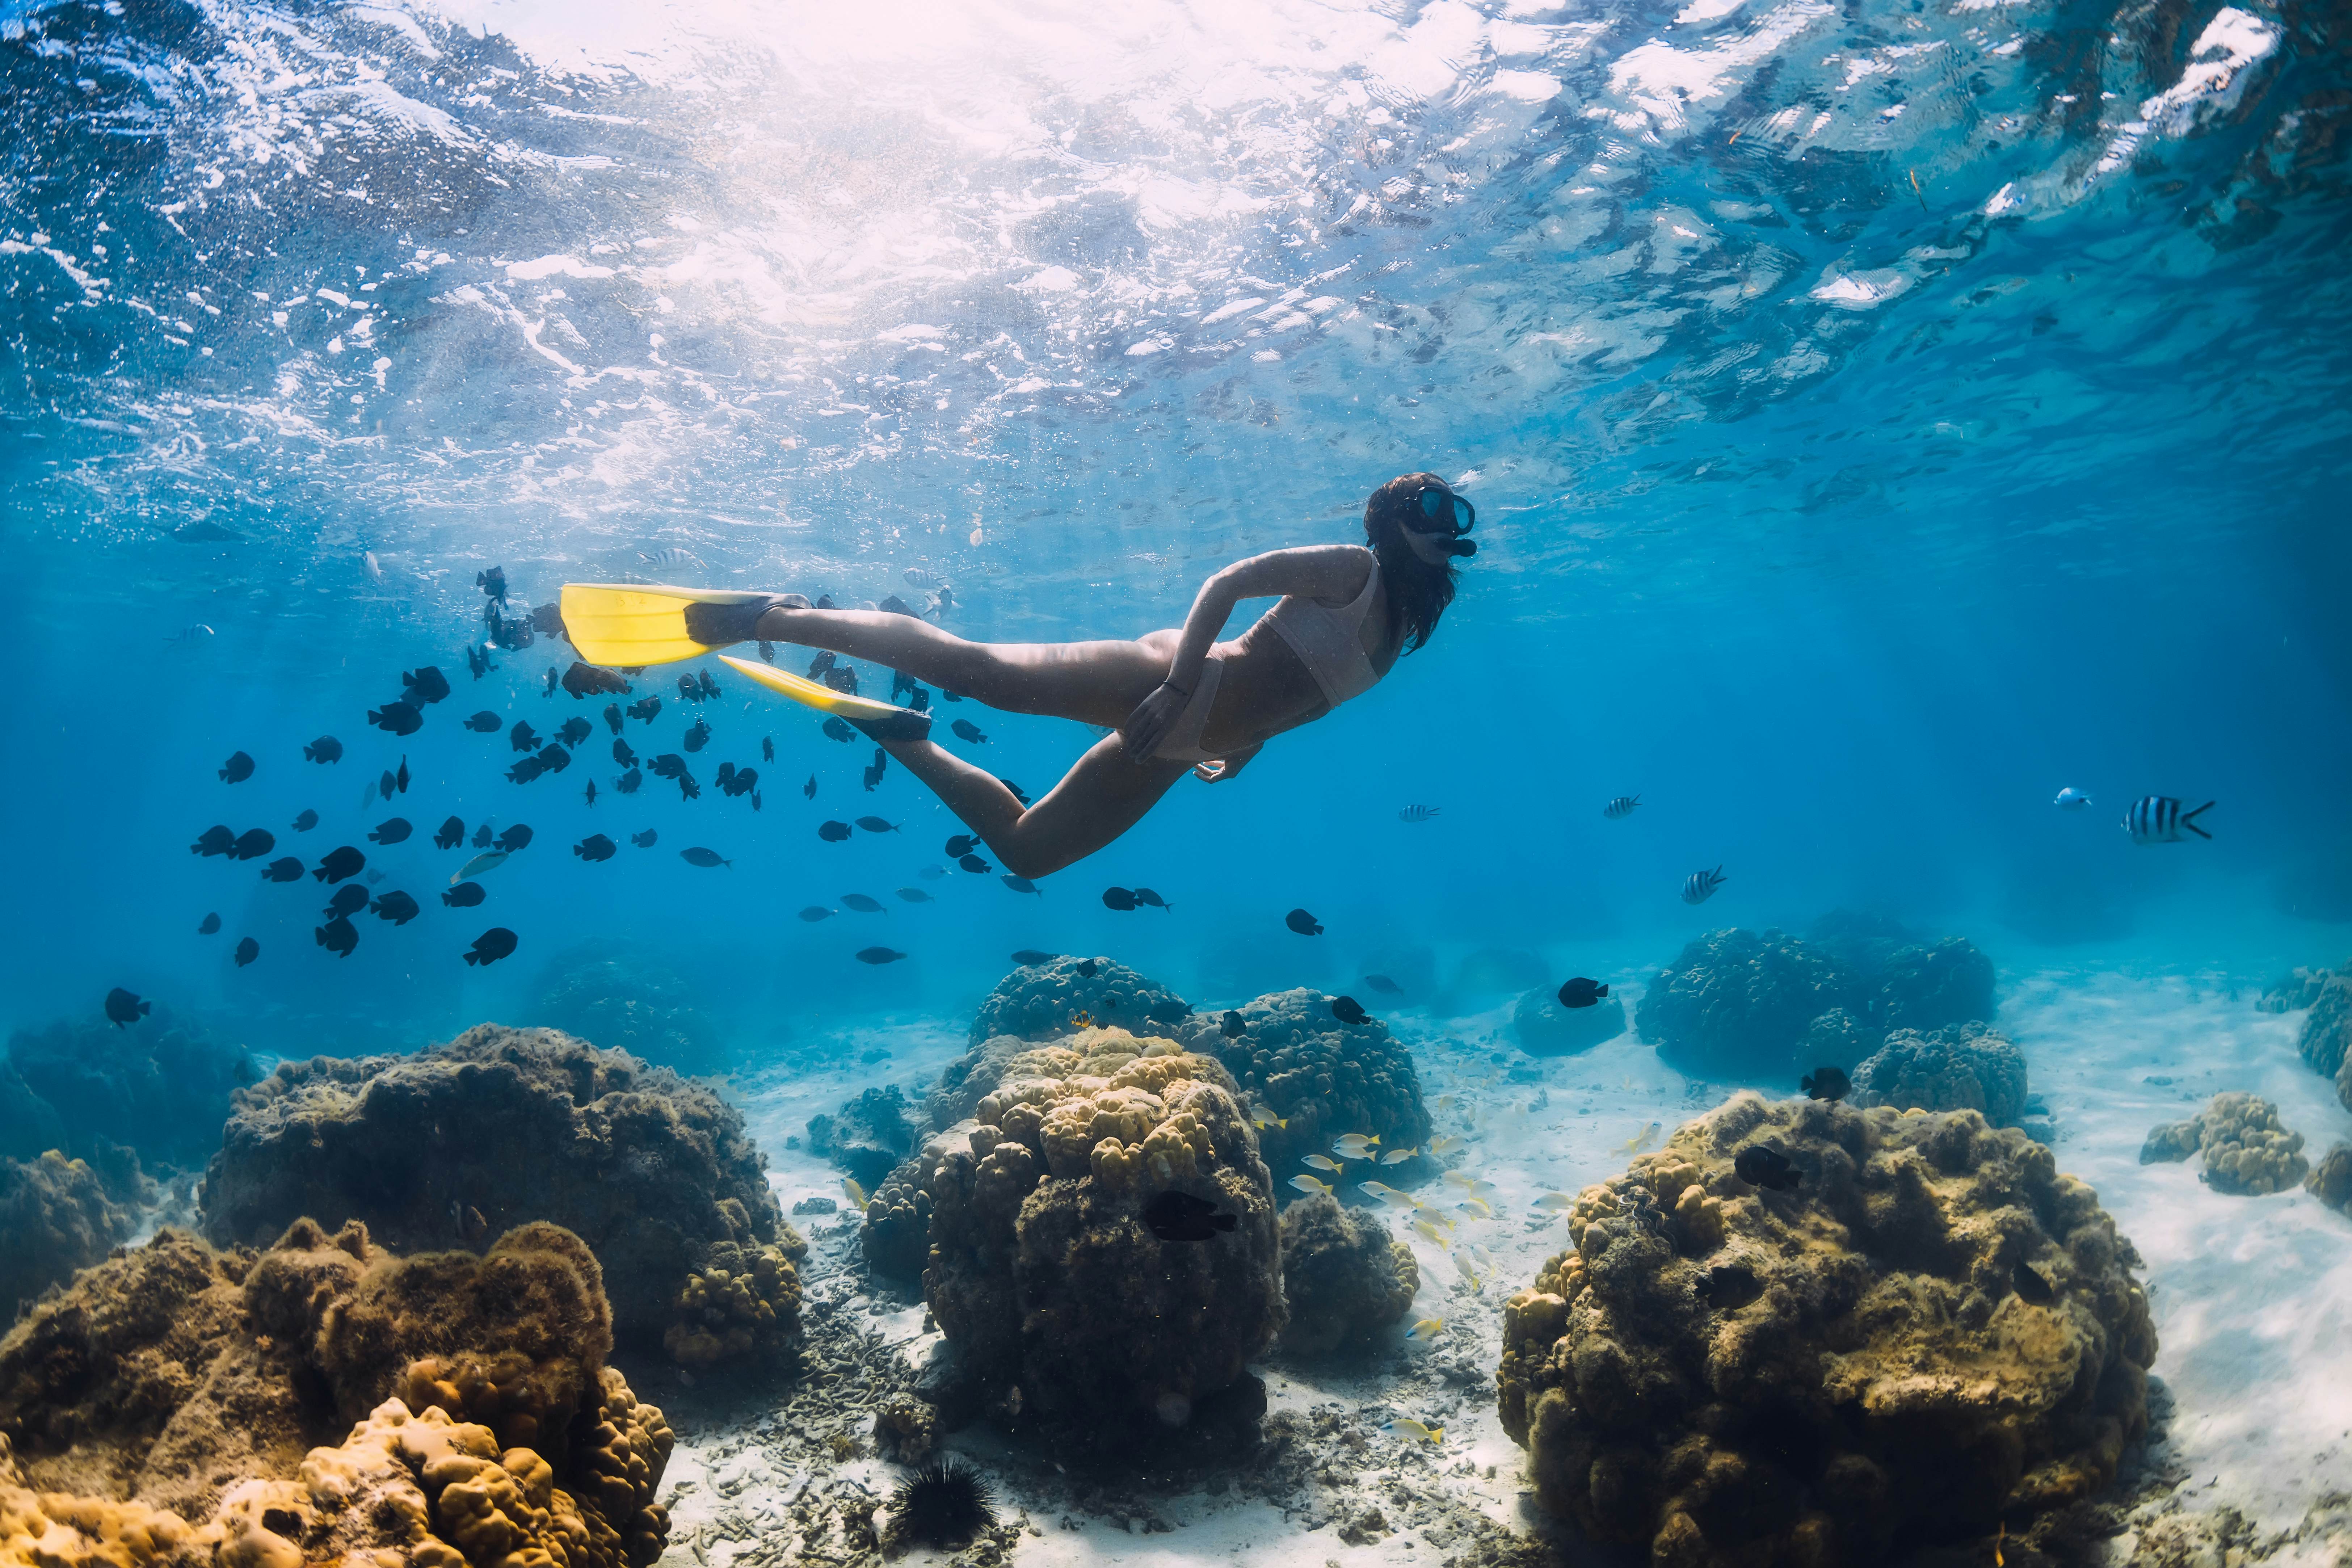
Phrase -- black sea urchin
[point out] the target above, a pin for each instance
(944, 1504)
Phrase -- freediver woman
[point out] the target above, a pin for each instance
(1179, 701)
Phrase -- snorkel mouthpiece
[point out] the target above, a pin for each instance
(1460, 546)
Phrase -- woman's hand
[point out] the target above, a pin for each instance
(1222, 769)
(1153, 717)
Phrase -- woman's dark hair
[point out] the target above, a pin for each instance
(1418, 592)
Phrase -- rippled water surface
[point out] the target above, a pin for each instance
(1881, 415)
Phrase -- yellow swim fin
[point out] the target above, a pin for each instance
(881, 720)
(626, 625)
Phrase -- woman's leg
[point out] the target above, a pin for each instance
(1102, 796)
(1093, 682)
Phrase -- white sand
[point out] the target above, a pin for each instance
(2252, 1296)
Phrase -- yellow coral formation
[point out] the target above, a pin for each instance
(217, 1365)
(745, 1302)
(1943, 1335)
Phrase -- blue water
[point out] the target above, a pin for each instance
(1879, 418)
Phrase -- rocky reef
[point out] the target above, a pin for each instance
(1297, 1063)
(896, 1238)
(495, 1128)
(1961, 1066)
(867, 1137)
(184, 1405)
(1045, 1001)
(1929, 1337)
(1545, 1028)
(1045, 1275)
(1345, 1279)
(1742, 1004)
(619, 998)
(2247, 1150)
(56, 1217)
(161, 1089)
(742, 1303)
(2331, 1180)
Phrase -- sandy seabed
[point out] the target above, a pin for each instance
(2253, 1299)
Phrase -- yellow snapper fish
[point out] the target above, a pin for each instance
(1352, 1152)
(1477, 1206)
(1556, 1203)
(1447, 1144)
(1397, 1156)
(1426, 1329)
(1266, 1119)
(1640, 1140)
(854, 1193)
(1311, 1186)
(1430, 1230)
(1321, 1163)
(1388, 1195)
(1406, 1426)
(1444, 1102)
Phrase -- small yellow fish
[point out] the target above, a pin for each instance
(1477, 1189)
(1447, 1144)
(1445, 1102)
(1309, 1184)
(1397, 1156)
(1426, 1329)
(1365, 1139)
(1640, 1140)
(1321, 1162)
(1477, 1206)
(1429, 1230)
(1406, 1426)
(1556, 1201)
(1628, 1085)
(1459, 1178)
(854, 1193)
(1388, 1195)
(1352, 1152)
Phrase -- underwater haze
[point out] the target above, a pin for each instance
(1880, 417)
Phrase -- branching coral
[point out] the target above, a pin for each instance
(1298, 1064)
(1343, 1276)
(176, 1389)
(1046, 1274)
(495, 1128)
(1040, 1001)
(1962, 1067)
(1930, 1335)
(2246, 1149)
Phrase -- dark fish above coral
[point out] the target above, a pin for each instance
(285, 869)
(879, 955)
(247, 950)
(1761, 1167)
(492, 945)
(1303, 923)
(464, 896)
(485, 723)
(1029, 957)
(647, 839)
(452, 833)
(1180, 1217)
(1826, 1083)
(338, 864)
(595, 846)
(1233, 1026)
(307, 821)
(706, 859)
(1581, 992)
(124, 1008)
(1728, 1287)
(423, 684)
(348, 900)
(325, 749)
(391, 830)
(833, 832)
(400, 718)
(862, 904)
(1348, 1011)
(586, 680)
(338, 936)
(237, 769)
(1118, 898)
(219, 839)
(397, 907)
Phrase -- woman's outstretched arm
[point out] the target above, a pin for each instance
(1332, 573)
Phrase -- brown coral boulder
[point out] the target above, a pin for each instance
(56, 1216)
(1932, 1334)
(494, 1129)
(1044, 1272)
(1344, 1278)
(2331, 1180)
(1308, 1079)
(184, 1403)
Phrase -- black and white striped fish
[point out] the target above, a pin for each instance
(2158, 819)
(1418, 813)
(1622, 806)
(670, 556)
(1702, 886)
